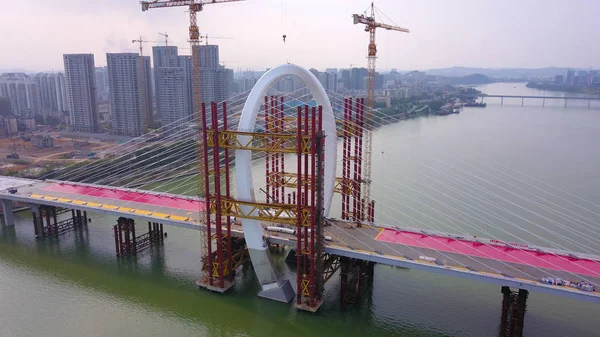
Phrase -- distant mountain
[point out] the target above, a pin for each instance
(14, 70)
(499, 72)
(471, 79)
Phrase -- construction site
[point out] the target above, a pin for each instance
(34, 153)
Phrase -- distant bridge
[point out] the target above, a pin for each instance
(543, 98)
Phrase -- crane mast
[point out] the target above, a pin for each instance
(194, 40)
(370, 26)
(194, 7)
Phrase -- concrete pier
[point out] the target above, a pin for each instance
(9, 218)
(514, 306)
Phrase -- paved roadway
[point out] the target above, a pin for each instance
(503, 263)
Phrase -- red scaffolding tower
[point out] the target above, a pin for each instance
(353, 206)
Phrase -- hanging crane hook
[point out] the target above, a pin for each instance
(284, 36)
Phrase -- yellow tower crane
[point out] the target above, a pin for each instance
(370, 26)
(194, 7)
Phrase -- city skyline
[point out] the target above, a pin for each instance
(515, 36)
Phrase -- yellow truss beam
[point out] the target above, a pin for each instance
(290, 180)
(276, 213)
(258, 141)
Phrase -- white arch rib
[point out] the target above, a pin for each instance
(243, 158)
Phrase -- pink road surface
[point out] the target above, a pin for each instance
(500, 253)
(138, 197)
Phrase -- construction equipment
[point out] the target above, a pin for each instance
(14, 154)
(194, 7)
(166, 38)
(147, 110)
(141, 41)
(370, 26)
(205, 37)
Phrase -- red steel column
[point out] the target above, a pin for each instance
(306, 189)
(207, 189)
(299, 210)
(282, 130)
(355, 187)
(267, 153)
(274, 169)
(358, 158)
(217, 175)
(275, 115)
(227, 196)
(313, 174)
(344, 160)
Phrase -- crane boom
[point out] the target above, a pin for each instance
(370, 26)
(369, 21)
(146, 5)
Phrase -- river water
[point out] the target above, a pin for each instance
(516, 173)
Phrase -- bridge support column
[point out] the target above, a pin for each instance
(566, 102)
(219, 264)
(522, 100)
(355, 276)
(125, 236)
(46, 223)
(126, 243)
(544, 102)
(514, 305)
(37, 224)
(7, 209)
(501, 101)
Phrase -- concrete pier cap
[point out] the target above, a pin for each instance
(273, 286)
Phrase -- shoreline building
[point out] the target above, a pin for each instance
(81, 92)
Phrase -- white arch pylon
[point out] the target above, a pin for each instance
(272, 285)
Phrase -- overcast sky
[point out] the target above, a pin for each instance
(320, 33)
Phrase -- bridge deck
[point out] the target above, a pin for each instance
(486, 260)
(543, 97)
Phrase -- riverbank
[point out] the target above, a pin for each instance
(563, 88)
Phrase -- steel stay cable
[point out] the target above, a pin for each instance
(133, 200)
(173, 138)
(132, 143)
(546, 240)
(552, 203)
(495, 195)
(392, 159)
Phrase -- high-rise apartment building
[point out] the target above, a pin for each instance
(358, 78)
(102, 84)
(23, 93)
(185, 61)
(570, 77)
(53, 92)
(130, 97)
(172, 78)
(346, 79)
(81, 92)
(214, 78)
